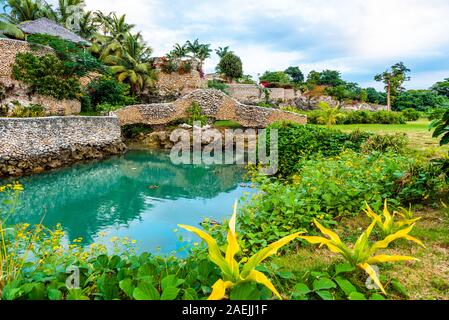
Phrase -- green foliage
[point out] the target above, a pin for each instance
(330, 78)
(295, 74)
(420, 100)
(30, 111)
(437, 113)
(393, 80)
(376, 97)
(46, 75)
(75, 57)
(9, 30)
(396, 143)
(296, 142)
(359, 117)
(411, 114)
(441, 127)
(279, 77)
(106, 90)
(230, 66)
(134, 130)
(442, 88)
(195, 114)
(214, 84)
(329, 188)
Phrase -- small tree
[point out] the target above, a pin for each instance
(393, 80)
(295, 74)
(230, 66)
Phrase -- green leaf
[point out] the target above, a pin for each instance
(169, 293)
(397, 286)
(171, 281)
(323, 284)
(245, 291)
(76, 294)
(190, 294)
(377, 296)
(346, 286)
(325, 295)
(146, 291)
(301, 289)
(356, 296)
(54, 294)
(108, 286)
(127, 286)
(343, 268)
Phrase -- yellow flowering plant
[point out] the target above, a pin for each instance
(233, 272)
(388, 223)
(362, 254)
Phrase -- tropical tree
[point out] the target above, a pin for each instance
(442, 87)
(221, 52)
(295, 74)
(393, 80)
(179, 51)
(132, 65)
(231, 67)
(203, 54)
(10, 30)
(25, 10)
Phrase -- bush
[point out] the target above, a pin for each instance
(30, 111)
(329, 188)
(195, 114)
(214, 84)
(46, 75)
(411, 114)
(296, 142)
(359, 117)
(436, 113)
(109, 91)
(230, 66)
(386, 143)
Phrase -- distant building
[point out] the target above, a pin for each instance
(46, 26)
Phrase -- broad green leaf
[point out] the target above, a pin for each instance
(169, 293)
(301, 289)
(127, 286)
(146, 291)
(54, 294)
(245, 291)
(325, 295)
(356, 296)
(343, 268)
(376, 296)
(171, 281)
(190, 294)
(346, 286)
(76, 294)
(323, 284)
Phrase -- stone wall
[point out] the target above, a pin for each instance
(8, 51)
(31, 145)
(176, 84)
(214, 104)
(253, 94)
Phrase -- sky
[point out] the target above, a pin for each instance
(360, 38)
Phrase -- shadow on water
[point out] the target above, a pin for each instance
(141, 195)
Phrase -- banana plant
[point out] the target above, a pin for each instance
(363, 253)
(389, 225)
(231, 270)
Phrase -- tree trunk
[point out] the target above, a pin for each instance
(389, 96)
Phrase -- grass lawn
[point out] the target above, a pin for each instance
(418, 132)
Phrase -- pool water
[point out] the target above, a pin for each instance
(140, 195)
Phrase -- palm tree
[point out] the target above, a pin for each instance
(9, 30)
(179, 51)
(132, 65)
(87, 26)
(193, 47)
(25, 10)
(203, 53)
(221, 52)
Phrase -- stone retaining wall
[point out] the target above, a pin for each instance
(31, 145)
(214, 104)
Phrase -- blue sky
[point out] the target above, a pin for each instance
(358, 37)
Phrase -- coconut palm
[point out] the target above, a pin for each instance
(221, 52)
(203, 53)
(179, 51)
(25, 10)
(132, 65)
(9, 30)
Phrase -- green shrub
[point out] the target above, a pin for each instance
(74, 56)
(296, 142)
(214, 84)
(436, 113)
(411, 114)
(195, 114)
(328, 188)
(384, 143)
(46, 75)
(107, 90)
(359, 117)
(30, 111)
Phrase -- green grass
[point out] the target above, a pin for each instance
(418, 132)
(227, 124)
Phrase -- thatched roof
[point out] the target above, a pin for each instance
(46, 26)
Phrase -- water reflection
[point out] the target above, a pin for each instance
(141, 195)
